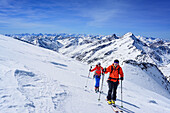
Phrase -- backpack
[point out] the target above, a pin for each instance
(98, 70)
(112, 71)
(117, 69)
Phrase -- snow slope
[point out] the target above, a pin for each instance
(38, 80)
(166, 71)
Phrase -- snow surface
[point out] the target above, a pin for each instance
(166, 71)
(38, 80)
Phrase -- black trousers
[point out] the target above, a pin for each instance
(112, 90)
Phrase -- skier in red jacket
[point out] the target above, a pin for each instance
(115, 71)
(98, 71)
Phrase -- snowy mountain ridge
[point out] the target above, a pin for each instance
(35, 79)
(91, 49)
(67, 41)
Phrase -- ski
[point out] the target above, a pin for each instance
(114, 109)
(117, 108)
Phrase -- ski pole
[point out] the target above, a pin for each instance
(88, 76)
(101, 86)
(121, 95)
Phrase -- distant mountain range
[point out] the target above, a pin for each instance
(104, 49)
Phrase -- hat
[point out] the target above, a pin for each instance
(116, 61)
(98, 63)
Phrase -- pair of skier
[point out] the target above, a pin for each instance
(113, 81)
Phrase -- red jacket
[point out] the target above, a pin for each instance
(114, 75)
(98, 70)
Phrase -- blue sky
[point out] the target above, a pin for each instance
(104, 17)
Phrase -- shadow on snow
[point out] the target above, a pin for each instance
(58, 64)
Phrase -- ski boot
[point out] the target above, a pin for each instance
(96, 89)
(113, 103)
(109, 102)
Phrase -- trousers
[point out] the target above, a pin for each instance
(112, 90)
(97, 79)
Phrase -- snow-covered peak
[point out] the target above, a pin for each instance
(129, 34)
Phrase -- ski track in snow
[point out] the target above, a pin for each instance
(39, 94)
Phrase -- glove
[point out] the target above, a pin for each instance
(90, 68)
(121, 78)
(104, 70)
